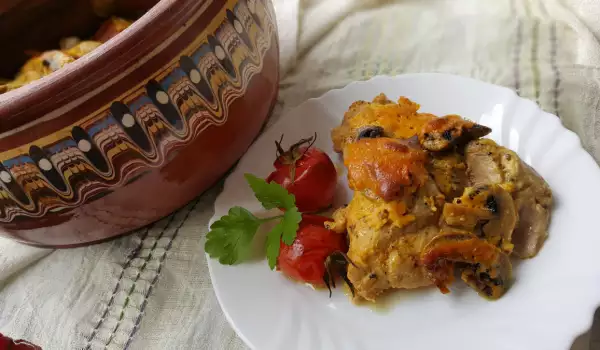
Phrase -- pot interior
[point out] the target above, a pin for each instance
(30, 26)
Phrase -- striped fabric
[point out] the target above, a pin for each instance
(524, 44)
(151, 290)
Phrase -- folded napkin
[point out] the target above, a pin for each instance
(151, 290)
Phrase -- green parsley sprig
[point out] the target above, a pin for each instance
(230, 237)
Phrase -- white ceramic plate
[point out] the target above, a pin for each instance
(551, 302)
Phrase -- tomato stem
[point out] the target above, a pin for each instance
(336, 264)
(292, 155)
(280, 151)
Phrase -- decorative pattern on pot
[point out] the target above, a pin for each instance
(114, 147)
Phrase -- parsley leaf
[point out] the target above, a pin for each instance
(231, 236)
(291, 219)
(273, 239)
(271, 195)
(284, 231)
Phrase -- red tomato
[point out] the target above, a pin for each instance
(7, 343)
(313, 219)
(304, 260)
(306, 172)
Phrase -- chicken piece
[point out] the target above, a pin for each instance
(72, 48)
(38, 67)
(534, 206)
(486, 210)
(384, 167)
(483, 266)
(382, 99)
(110, 28)
(401, 120)
(449, 171)
(404, 166)
(68, 42)
(6, 86)
(489, 163)
(388, 119)
(442, 134)
(397, 204)
(82, 48)
(386, 239)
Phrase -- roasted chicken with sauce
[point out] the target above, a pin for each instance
(431, 198)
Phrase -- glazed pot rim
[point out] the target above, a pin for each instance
(14, 103)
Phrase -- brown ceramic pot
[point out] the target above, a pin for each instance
(139, 127)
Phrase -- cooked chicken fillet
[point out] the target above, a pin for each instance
(489, 163)
(449, 171)
(379, 118)
(428, 199)
(383, 118)
(386, 239)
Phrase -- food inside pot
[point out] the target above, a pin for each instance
(71, 48)
(80, 28)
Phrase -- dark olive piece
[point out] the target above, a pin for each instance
(370, 132)
(491, 204)
(484, 276)
(447, 135)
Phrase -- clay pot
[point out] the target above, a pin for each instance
(135, 130)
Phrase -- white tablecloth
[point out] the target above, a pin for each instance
(151, 290)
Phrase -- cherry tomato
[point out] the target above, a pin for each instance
(306, 172)
(7, 343)
(313, 219)
(304, 259)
